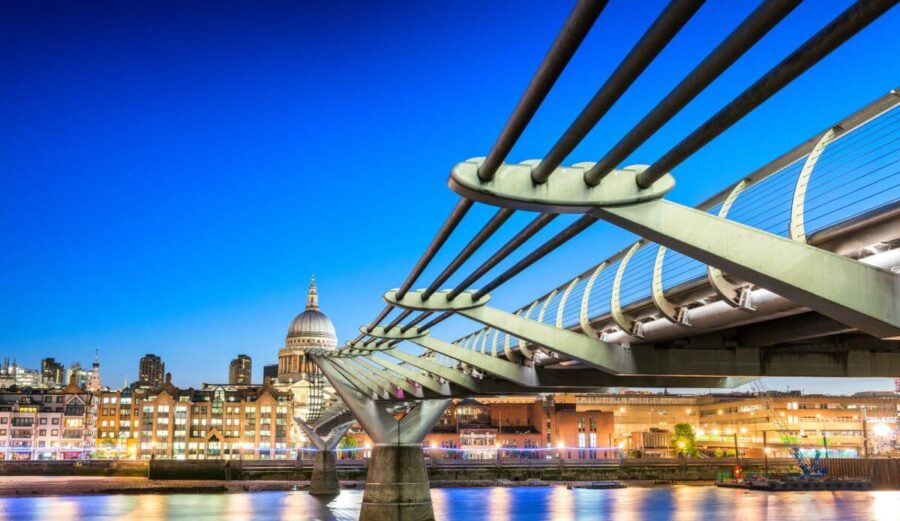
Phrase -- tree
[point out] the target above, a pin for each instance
(348, 442)
(683, 440)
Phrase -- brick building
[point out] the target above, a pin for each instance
(217, 421)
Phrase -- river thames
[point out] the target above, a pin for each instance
(469, 504)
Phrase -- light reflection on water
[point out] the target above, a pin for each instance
(679, 503)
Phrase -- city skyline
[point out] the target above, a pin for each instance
(177, 232)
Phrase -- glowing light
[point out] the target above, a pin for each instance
(621, 444)
(680, 444)
(621, 409)
(497, 445)
(716, 432)
(700, 432)
(720, 411)
(881, 429)
(687, 411)
(743, 430)
(767, 450)
(434, 445)
(560, 445)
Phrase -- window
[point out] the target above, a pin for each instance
(43, 421)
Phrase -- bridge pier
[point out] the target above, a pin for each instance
(397, 481)
(324, 480)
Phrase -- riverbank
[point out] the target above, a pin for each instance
(32, 486)
(23, 486)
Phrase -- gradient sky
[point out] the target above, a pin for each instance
(172, 172)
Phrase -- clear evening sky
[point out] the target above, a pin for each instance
(172, 172)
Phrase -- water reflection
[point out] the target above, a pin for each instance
(680, 503)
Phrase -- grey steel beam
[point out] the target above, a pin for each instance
(562, 380)
(329, 442)
(841, 29)
(592, 351)
(380, 425)
(361, 381)
(741, 39)
(423, 380)
(564, 46)
(844, 289)
(654, 40)
(538, 379)
(837, 358)
(391, 378)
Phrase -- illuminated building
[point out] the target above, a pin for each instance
(47, 424)
(296, 372)
(218, 421)
(53, 373)
(150, 371)
(240, 370)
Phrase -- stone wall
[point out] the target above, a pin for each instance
(74, 468)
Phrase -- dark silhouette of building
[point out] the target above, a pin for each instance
(151, 371)
(53, 373)
(240, 371)
(270, 372)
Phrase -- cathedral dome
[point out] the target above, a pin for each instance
(311, 328)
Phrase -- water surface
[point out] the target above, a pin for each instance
(470, 504)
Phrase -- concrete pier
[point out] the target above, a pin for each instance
(397, 485)
(324, 479)
(397, 481)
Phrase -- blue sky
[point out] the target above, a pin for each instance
(172, 172)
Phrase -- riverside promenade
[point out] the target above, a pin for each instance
(211, 476)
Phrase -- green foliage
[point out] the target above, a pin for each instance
(348, 442)
(684, 440)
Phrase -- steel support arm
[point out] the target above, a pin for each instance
(419, 378)
(844, 289)
(379, 424)
(391, 377)
(329, 442)
(562, 380)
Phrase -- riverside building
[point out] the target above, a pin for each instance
(215, 422)
(857, 425)
(44, 424)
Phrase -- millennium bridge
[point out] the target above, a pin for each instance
(791, 270)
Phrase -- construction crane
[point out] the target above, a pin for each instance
(809, 467)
